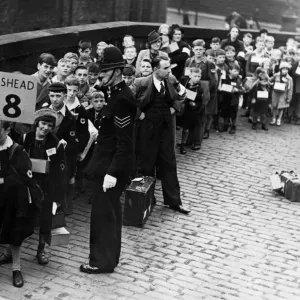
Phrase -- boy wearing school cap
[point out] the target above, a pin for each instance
(41, 144)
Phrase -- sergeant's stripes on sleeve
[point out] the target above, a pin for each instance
(122, 122)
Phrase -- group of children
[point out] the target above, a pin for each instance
(229, 75)
(216, 83)
(232, 73)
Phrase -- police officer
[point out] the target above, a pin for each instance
(110, 165)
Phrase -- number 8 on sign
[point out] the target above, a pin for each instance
(11, 109)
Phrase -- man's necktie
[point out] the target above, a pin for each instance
(59, 118)
(162, 88)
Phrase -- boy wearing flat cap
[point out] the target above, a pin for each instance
(42, 145)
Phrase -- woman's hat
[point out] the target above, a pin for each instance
(153, 37)
(45, 114)
(284, 64)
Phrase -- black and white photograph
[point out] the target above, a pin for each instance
(149, 150)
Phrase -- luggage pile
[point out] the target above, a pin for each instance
(288, 184)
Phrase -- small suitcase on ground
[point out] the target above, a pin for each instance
(287, 175)
(292, 190)
(139, 197)
(291, 183)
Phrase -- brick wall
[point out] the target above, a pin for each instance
(21, 15)
(269, 10)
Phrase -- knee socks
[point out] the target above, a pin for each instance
(16, 253)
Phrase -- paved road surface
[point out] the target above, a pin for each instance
(241, 241)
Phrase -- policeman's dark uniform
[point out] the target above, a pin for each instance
(113, 155)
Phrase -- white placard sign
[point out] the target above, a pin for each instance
(227, 88)
(278, 86)
(262, 94)
(191, 95)
(18, 97)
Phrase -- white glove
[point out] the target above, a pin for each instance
(109, 182)
(142, 116)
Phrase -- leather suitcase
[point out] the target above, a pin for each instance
(292, 189)
(287, 175)
(139, 197)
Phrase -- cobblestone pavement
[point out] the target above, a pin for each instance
(240, 242)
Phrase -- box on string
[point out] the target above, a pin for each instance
(139, 198)
(58, 237)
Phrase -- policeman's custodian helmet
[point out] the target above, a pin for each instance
(111, 58)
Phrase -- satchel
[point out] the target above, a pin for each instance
(35, 193)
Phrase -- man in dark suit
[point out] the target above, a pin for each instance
(157, 101)
(65, 130)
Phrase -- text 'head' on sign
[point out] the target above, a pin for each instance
(17, 97)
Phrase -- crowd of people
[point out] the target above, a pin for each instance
(100, 121)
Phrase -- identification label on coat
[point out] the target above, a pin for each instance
(263, 94)
(255, 59)
(173, 47)
(187, 72)
(223, 74)
(227, 88)
(191, 95)
(233, 83)
(1, 180)
(51, 151)
(279, 86)
(18, 95)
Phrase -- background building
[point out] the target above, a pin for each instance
(28, 15)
